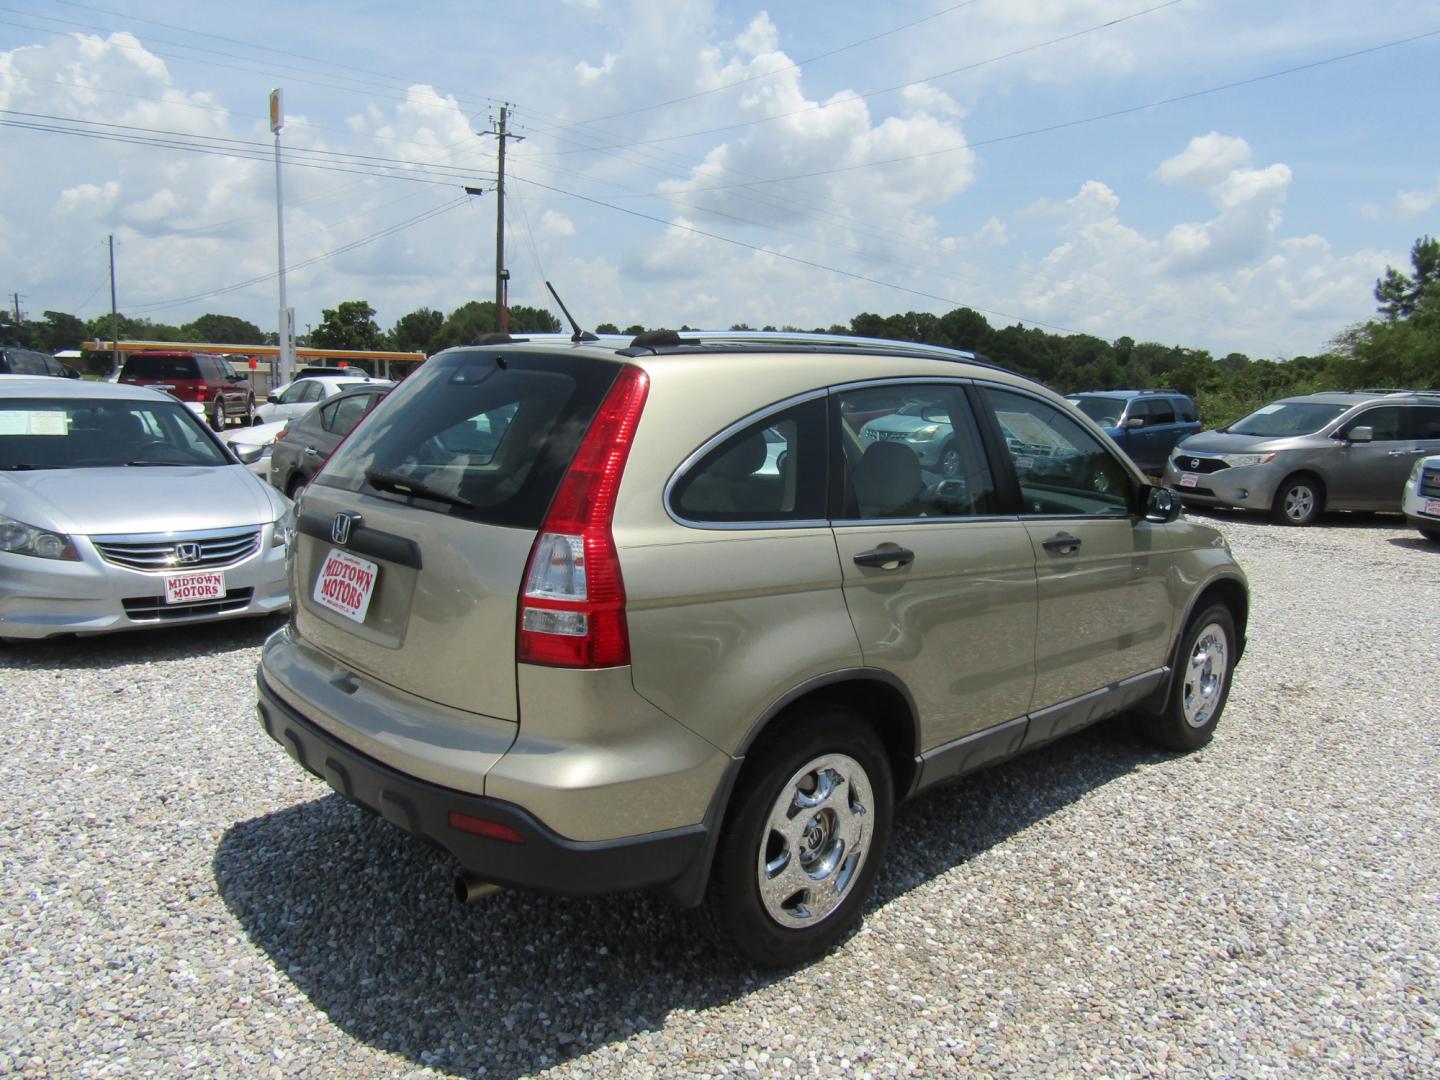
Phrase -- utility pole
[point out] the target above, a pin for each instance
(286, 335)
(17, 309)
(502, 276)
(114, 315)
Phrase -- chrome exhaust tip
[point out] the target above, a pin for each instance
(469, 888)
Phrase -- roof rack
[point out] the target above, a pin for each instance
(654, 340)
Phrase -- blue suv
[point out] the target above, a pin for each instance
(1146, 424)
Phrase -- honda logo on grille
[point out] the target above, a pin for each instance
(187, 552)
(340, 529)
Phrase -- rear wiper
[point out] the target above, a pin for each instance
(403, 485)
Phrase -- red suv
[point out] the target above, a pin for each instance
(207, 384)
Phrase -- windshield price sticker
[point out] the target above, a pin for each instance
(194, 588)
(346, 584)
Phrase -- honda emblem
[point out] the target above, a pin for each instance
(187, 552)
(340, 529)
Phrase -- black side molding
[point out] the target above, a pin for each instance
(364, 540)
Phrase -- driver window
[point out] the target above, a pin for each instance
(1061, 468)
(912, 451)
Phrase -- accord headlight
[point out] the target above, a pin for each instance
(282, 532)
(19, 538)
(1240, 461)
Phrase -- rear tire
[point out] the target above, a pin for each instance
(1298, 501)
(217, 415)
(803, 838)
(248, 420)
(1200, 685)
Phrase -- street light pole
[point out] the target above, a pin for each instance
(286, 336)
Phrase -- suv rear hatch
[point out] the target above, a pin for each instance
(415, 537)
(177, 372)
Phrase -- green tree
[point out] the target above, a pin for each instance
(1400, 294)
(224, 330)
(414, 332)
(607, 328)
(61, 330)
(349, 326)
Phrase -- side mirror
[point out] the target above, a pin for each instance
(1134, 422)
(1361, 434)
(1161, 505)
(273, 398)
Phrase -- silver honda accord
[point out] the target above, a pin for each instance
(119, 510)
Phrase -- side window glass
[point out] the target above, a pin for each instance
(347, 413)
(26, 363)
(1385, 421)
(1161, 412)
(1424, 422)
(1060, 467)
(327, 415)
(1186, 409)
(292, 395)
(912, 451)
(772, 470)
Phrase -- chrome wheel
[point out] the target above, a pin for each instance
(1205, 674)
(950, 461)
(816, 840)
(1299, 503)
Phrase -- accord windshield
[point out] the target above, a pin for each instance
(74, 433)
(1285, 418)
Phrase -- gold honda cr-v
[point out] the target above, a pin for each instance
(692, 613)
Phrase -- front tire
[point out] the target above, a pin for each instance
(217, 415)
(1201, 683)
(1298, 501)
(804, 836)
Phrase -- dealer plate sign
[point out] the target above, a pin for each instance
(194, 588)
(346, 584)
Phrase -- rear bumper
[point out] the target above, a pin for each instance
(545, 861)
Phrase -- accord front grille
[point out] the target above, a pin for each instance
(179, 551)
(147, 608)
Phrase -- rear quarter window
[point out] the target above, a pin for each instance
(476, 434)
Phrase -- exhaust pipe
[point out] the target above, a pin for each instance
(469, 888)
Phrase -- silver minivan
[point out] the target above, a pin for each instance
(1300, 456)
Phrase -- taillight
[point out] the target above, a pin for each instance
(572, 603)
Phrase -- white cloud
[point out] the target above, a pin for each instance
(555, 225)
(1415, 203)
(589, 73)
(1207, 160)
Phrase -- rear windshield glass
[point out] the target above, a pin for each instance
(476, 433)
(1287, 418)
(1104, 411)
(65, 433)
(160, 367)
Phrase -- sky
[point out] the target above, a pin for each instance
(1215, 174)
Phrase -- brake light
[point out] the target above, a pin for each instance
(572, 603)
(280, 435)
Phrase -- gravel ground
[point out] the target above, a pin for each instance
(176, 897)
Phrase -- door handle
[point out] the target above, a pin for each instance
(1062, 544)
(886, 557)
(1406, 453)
(310, 451)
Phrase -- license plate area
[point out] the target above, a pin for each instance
(1432, 507)
(195, 588)
(1189, 480)
(345, 584)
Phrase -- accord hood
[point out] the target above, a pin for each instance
(138, 499)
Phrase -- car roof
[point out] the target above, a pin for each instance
(334, 380)
(1127, 393)
(1361, 397)
(41, 386)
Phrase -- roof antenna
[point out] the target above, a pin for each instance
(579, 335)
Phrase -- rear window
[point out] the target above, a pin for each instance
(140, 366)
(476, 433)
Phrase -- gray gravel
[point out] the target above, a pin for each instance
(176, 897)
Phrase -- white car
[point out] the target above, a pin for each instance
(302, 395)
(253, 444)
(1421, 502)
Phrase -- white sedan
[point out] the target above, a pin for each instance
(303, 394)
